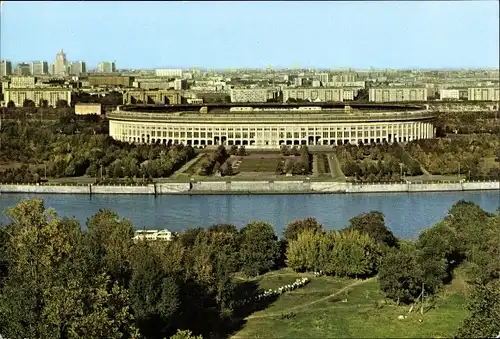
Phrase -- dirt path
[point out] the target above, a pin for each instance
(356, 283)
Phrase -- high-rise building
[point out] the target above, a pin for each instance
(106, 67)
(61, 65)
(324, 78)
(23, 69)
(5, 68)
(78, 67)
(39, 67)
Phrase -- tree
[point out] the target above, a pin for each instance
(353, 254)
(259, 248)
(400, 273)
(110, 240)
(62, 104)
(11, 104)
(303, 251)
(293, 229)
(154, 294)
(483, 320)
(185, 334)
(28, 103)
(373, 224)
(51, 290)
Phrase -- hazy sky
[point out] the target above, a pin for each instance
(394, 34)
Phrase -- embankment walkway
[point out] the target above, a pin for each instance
(255, 187)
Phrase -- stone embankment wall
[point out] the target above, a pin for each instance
(253, 187)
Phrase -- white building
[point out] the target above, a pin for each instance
(249, 95)
(449, 94)
(164, 235)
(78, 67)
(39, 67)
(320, 94)
(106, 67)
(324, 78)
(5, 68)
(401, 94)
(22, 82)
(179, 84)
(61, 64)
(170, 73)
(349, 94)
(484, 93)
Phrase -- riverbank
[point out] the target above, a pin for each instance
(253, 187)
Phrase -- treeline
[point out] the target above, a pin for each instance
(77, 148)
(57, 281)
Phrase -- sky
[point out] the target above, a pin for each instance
(308, 34)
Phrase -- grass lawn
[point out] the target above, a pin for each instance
(259, 163)
(330, 307)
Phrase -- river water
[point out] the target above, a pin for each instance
(406, 213)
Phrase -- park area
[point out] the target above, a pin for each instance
(330, 307)
(472, 157)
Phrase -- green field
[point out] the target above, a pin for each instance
(262, 162)
(346, 308)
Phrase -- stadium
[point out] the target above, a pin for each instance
(271, 125)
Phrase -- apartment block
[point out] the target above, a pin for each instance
(449, 94)
(399, 94)
(158, 97)
(5, 68)
(39, 68)
(180, 84)
(23, 69)
(78, 67)
(249, 95)
(37, 95)
(87, 108)
(484, 93)
(343, 84)
(324, 78)
(110, 80)
(22, 82)
(170, 73)
(314, 94)
(349, 94)
(106, 67)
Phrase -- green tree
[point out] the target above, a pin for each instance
(400, 274)
(110, 239)
(303, 251)
(354, 254)
(259, 248)
(185, 334)
(294, 228)
(50, 290)
(483, 319)
(373, 224)
(154, 294)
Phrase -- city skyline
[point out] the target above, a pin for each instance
(215, 35)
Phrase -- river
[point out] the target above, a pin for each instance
(406, 213)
